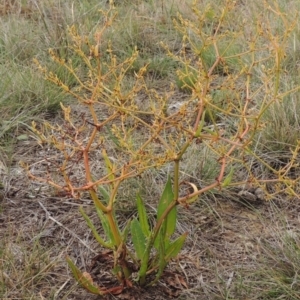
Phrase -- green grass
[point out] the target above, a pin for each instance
(28, 31)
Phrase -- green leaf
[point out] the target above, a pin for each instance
(138, 238)
(166, 199)
(109, 166)
(143, 216)
(144, 262)
(169, 252)
(83, 279)
(161, 263)
(200, 126)
(106, 226)
(175, 247)
(228, 178)
(125, 232)
(162, 250)
(94, 230)
(104, 193)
